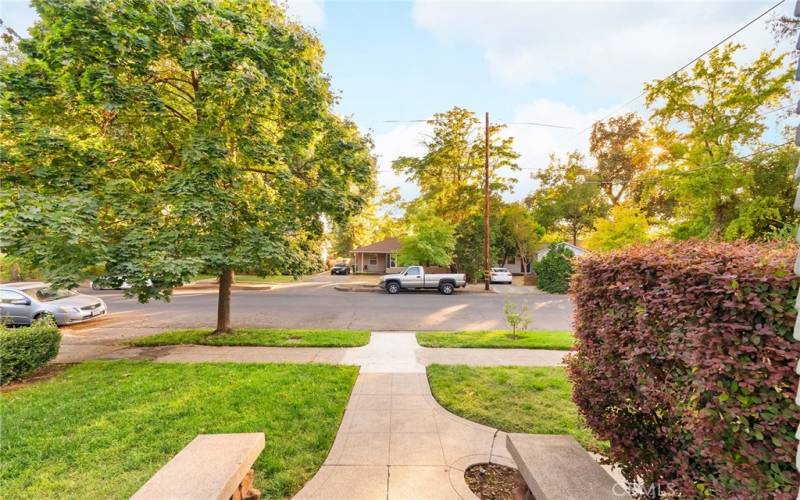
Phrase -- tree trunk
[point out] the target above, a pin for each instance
(224, 301)
(16, 274)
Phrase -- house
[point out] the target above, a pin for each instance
(576, 250)
(515, 264)
(377, 257)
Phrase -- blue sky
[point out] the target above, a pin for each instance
(568, 63)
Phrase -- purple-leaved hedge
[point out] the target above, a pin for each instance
(685, 363)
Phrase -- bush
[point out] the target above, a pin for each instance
(555, 269)
(25, 349)
(685, 364)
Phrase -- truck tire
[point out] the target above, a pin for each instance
(392, 287)
(446, 288)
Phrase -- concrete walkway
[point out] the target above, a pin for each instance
(395, 441)
(387, 352)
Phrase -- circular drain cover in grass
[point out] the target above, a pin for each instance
(496, 482)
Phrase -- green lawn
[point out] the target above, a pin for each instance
(278, 337)
(101, 429)
(252, 278)
(512, 399)
(535, 339)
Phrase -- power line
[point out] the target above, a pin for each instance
(535, 124)
(717, 163)
(685, 65)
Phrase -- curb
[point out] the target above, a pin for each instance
(358, 288)
(215, 286)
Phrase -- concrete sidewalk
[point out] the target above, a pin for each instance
(382, 354)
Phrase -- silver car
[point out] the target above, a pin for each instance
(21, 303)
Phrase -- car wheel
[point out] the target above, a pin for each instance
(446, 289)
(44, 315)
(393, 288)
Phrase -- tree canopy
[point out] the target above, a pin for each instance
(569, 198)
(451, 173)
(706, 121)
(523, 232)
(429, 242)
(622, 149)
(625, 226)
(165, 139)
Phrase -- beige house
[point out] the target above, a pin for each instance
(377, 257)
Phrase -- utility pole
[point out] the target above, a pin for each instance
(486, 275)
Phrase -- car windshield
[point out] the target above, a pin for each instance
(500, 270)
(48, 294)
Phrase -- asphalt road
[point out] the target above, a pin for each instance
(316, 304)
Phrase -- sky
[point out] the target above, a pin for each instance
(564, 63)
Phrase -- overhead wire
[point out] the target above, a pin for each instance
(674, 73)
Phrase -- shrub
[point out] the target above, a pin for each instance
(555, 269)
(25, 349)
(685, 364)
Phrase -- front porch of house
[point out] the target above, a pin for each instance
(377, 258)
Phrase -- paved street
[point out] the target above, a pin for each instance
(315, 304)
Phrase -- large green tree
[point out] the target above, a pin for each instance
(625, 226)
(430, 241)
(705, 121)
(450, 175)
(569, 198)
(522, 231)
(622, 149)
(163, 139)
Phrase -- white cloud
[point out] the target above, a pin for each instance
(536, 144)
(402, 140)
(310, 13)
(607, 44)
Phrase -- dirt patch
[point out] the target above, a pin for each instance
(496, 482)
(40, 374)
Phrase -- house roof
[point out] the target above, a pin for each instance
(389, 245)
(567, 244)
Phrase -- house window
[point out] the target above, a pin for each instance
(373, 260)
(390, 260)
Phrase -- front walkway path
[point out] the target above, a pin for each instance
(395, 440)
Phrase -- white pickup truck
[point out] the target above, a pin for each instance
(414, 277)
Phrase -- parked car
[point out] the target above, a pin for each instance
(499, 275)
(112, 283)
(340, 268)
(21, 303)
(415, 278)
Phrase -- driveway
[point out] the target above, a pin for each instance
(312, 303)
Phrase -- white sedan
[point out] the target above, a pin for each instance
(500, 275)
